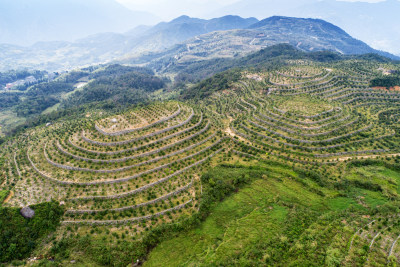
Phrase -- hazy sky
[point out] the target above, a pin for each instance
(169, 9)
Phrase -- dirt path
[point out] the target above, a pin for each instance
(367, 156)
(229, 131)
(9, 197)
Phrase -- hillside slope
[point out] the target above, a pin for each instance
(105, 47)
(305, 34)
(291, 165)
(370, 21)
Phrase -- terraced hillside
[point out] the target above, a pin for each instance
(312, 114)
(338, 139)
(302, 145)
(131, 167)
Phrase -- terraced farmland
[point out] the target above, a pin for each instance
(306, 131)
(319, 117)
(129, 168)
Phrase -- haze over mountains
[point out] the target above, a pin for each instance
(305, 34)
(185, 39)
(105, 47)
(25, 22)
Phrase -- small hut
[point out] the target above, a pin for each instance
(27, 212)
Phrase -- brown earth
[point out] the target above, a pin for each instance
(9, 197)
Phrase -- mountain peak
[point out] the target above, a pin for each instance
(182, 19)
(305, 24)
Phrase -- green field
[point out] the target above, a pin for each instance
(267, 222)
(9, 120)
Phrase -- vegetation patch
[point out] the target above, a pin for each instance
(19, 236)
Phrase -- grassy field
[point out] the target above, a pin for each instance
(51, 109)
(9, 119)
(266, 222)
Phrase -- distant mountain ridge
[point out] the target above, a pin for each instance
(373, 22)
(166, 34)
(185, 39)
(304, 34)
(313, 34)
(106, 47)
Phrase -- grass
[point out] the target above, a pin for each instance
(3, 195)
(340, 203)
(373, 199)
(386, 179)
(249, 227)
(51, 109)
(237, 224)
(9, 120)
(222, 232)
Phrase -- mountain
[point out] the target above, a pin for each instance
(183, 40)
(305, 34)
(105, 47)
(25, 22)
(166, 34)
(373, 23)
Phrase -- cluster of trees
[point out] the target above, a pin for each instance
(8, 100)
(218, 82)
(14, 75)
(35, 105)
(40, 97)
(130, 88)
(51, 88)
(387, 81)
(118, 70)
(19, 236)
